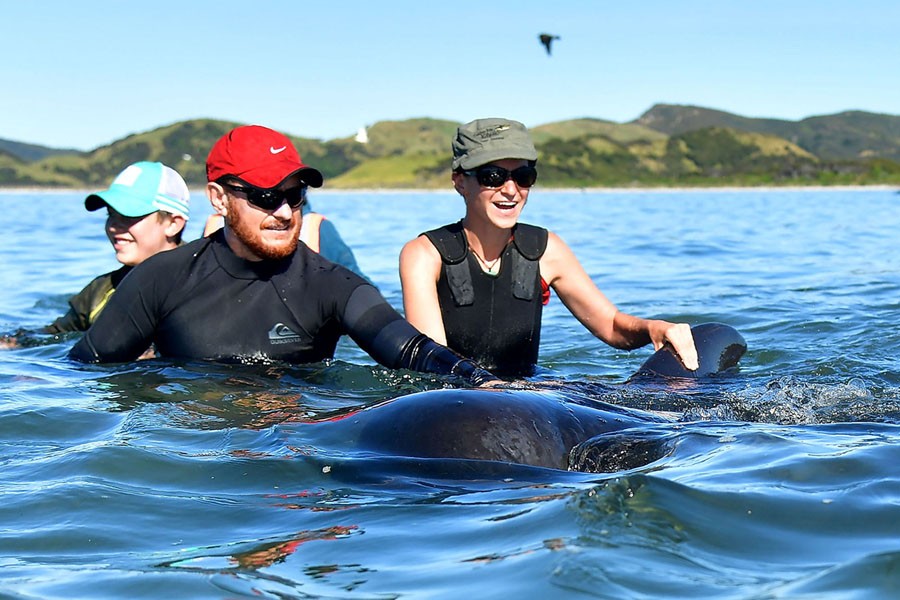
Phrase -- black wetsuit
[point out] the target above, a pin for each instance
(85, 306)
(202, 301)
(496, 320)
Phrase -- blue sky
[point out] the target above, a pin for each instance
(84, 73)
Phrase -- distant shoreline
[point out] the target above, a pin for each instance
(593, 190)
(640, 190)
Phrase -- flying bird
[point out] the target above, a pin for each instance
(546, 40)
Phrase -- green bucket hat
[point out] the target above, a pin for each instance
(485, 140)
(144, 188)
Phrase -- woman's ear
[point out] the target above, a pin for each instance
(459, 182)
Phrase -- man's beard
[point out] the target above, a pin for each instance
(251, 237)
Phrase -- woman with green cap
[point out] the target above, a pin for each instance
(479, 285)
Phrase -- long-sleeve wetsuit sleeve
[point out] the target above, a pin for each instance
(125, 327)
(388, 338)
(82, 305)
(71, 321)
(88, 303)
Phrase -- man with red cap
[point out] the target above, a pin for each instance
(250, 292)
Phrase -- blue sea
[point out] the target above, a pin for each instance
(197, 480)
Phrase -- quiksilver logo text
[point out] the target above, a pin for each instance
(282, 334)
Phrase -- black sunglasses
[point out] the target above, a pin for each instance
(492, 176)
(270, 199)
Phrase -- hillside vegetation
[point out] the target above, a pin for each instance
(848, 135)
(667, 146)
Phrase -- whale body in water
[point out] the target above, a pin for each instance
(531, 427)
(719, 348)
(538, 428)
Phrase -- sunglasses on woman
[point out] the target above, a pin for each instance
(492, 176)
(270, 199)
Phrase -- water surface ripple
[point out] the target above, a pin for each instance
(187, 479)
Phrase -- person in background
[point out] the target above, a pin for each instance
(147, 207)
(251, 292)
(479, 285)
(317, 232)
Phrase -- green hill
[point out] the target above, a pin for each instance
(399, 147)
(183, 146)
(31, 152)
(412, 136)
(621, 133)
(669, 145)
(422, 170)
(844, 136)
(704, 157)
(674, 119)
(719, 152)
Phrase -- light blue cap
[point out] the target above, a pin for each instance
(144, 188)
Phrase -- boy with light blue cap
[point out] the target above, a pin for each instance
(143, 188)
(140, 190)
(148, 205)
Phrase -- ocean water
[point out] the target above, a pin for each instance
(197, 480)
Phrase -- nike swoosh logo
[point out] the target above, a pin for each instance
(275, 150)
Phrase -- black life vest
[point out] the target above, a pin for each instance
(495, 320)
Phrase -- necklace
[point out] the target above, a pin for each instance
(492, 267)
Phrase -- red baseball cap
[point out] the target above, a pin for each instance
(260, 156)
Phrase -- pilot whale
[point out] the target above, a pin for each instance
(719, 348)
(543, 428)
(537, 428)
